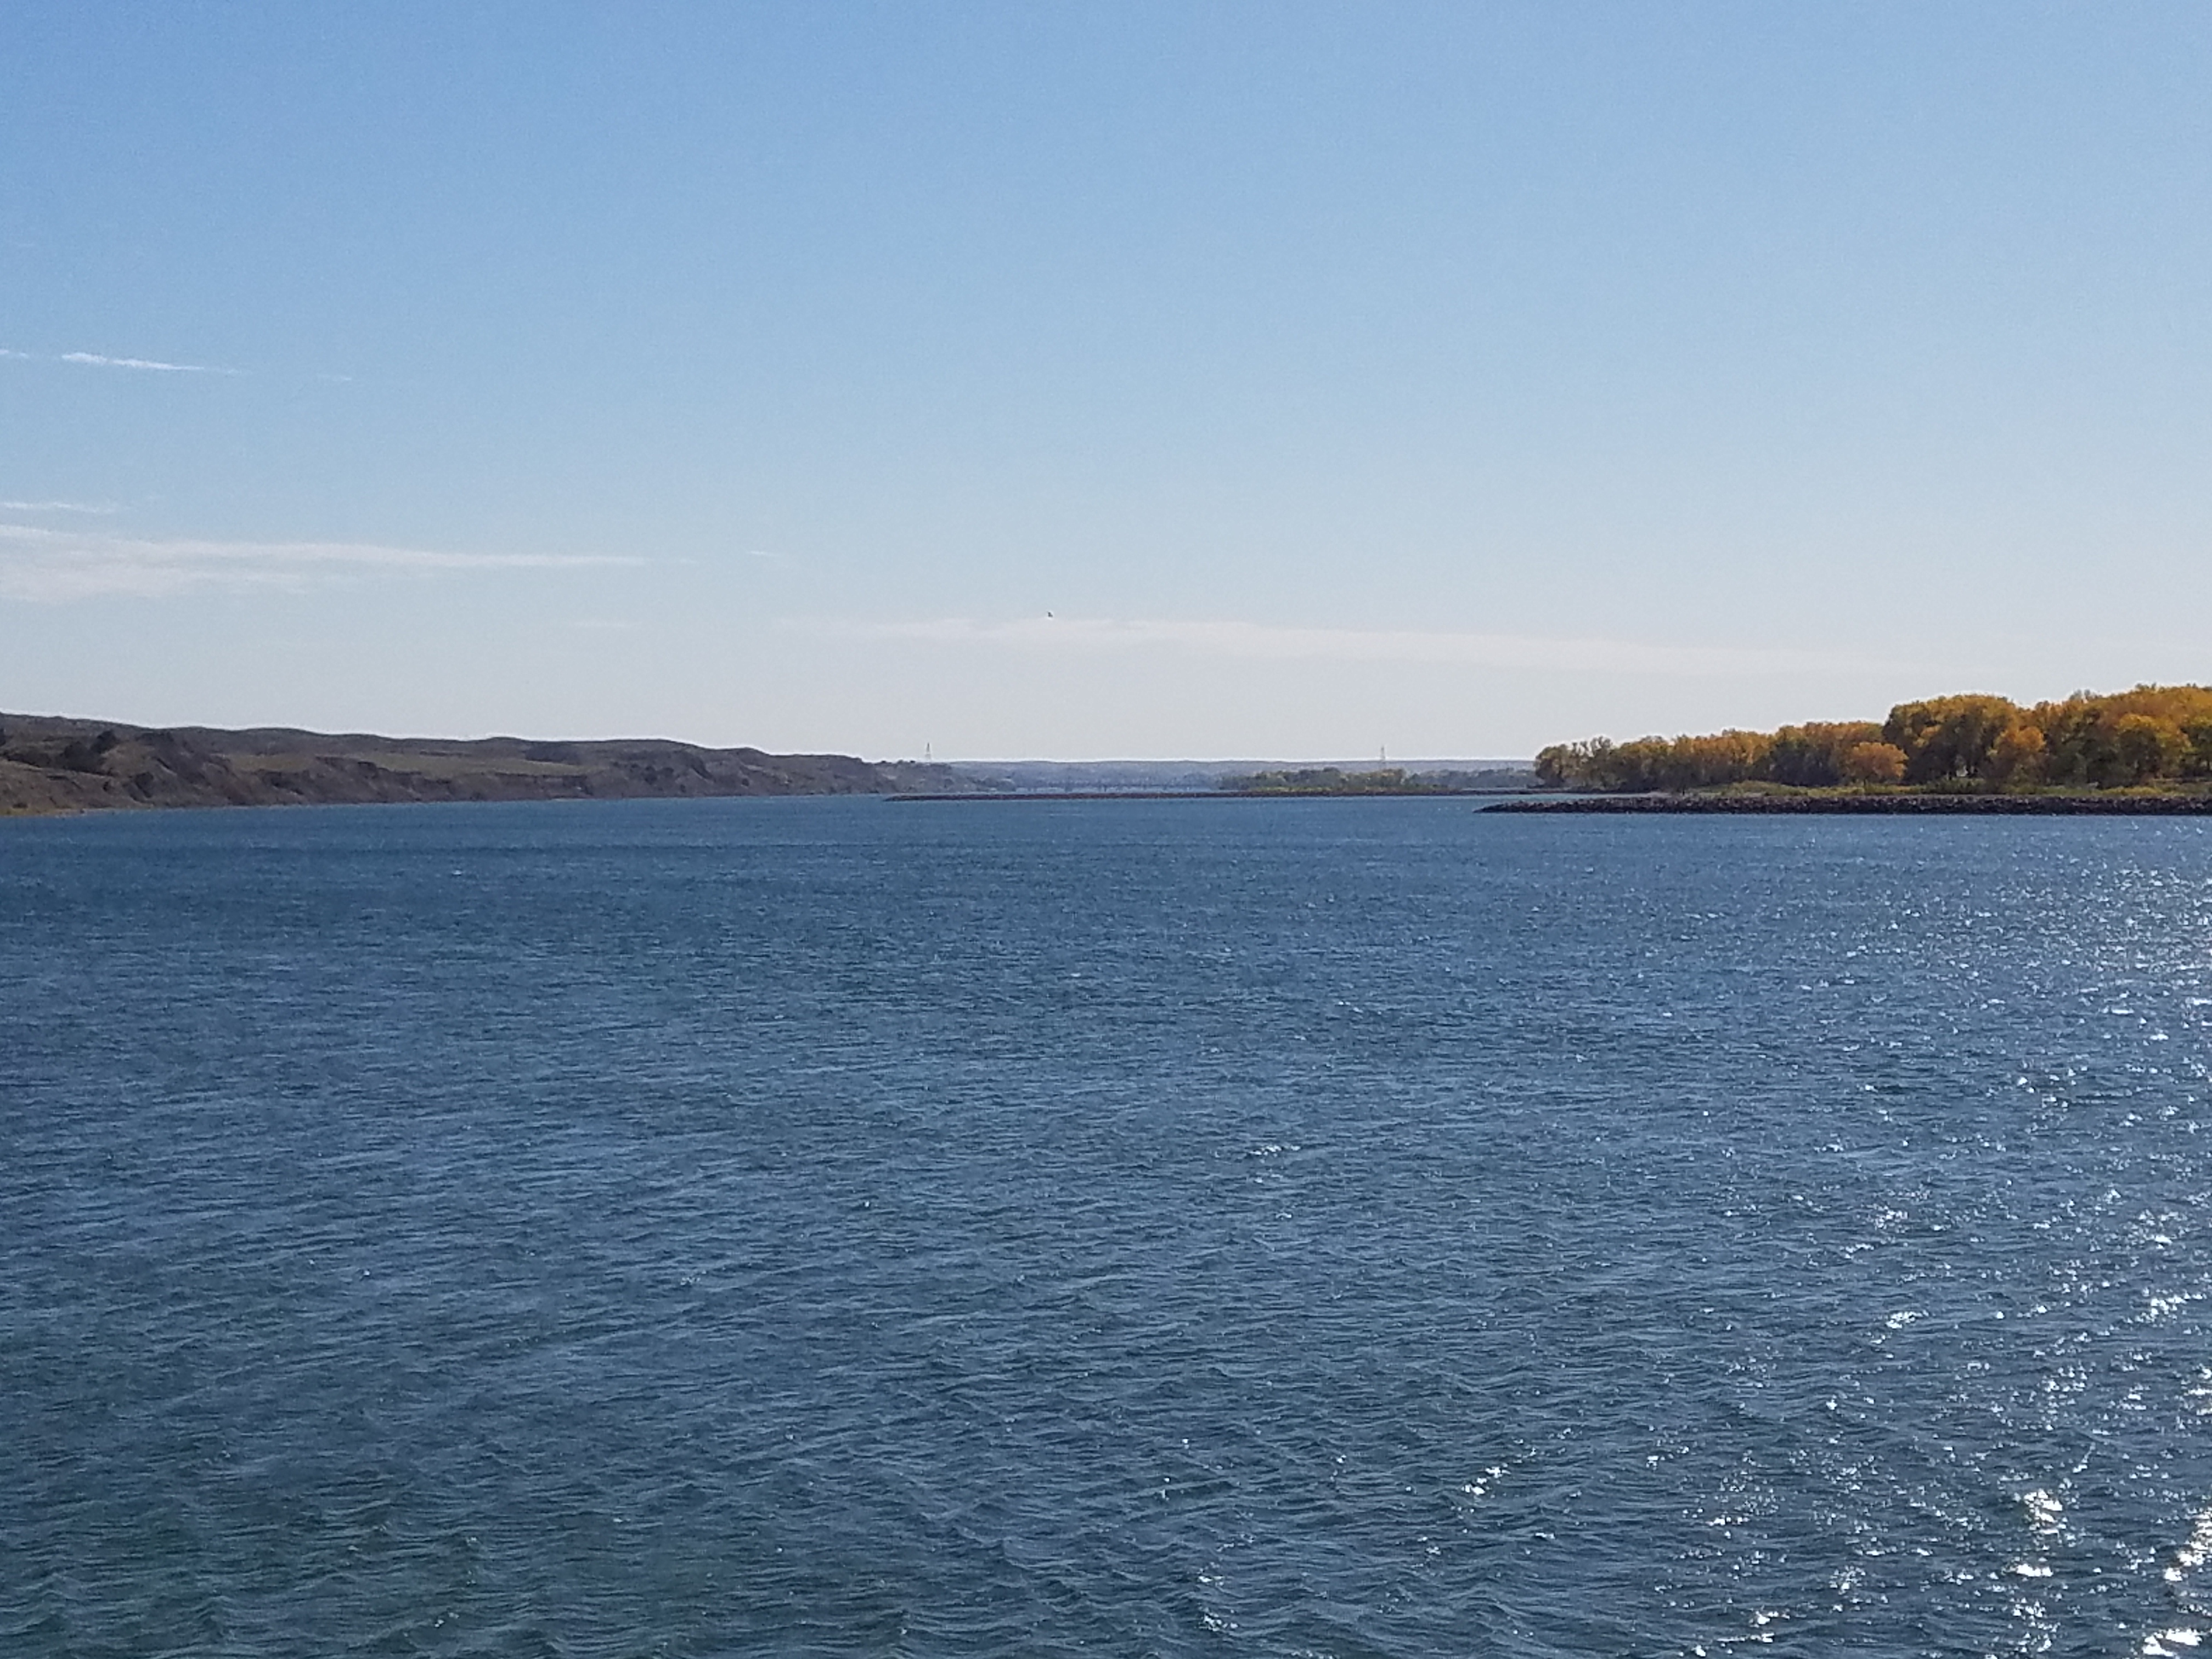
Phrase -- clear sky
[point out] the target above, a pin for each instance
(1083, 380)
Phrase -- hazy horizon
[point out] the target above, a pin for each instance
(1073, 762)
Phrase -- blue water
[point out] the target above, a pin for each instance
(1347, 1228)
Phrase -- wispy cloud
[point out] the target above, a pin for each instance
(94, 360)
(1264, 641)
(101, 360)
(56, 507)
(53, 565)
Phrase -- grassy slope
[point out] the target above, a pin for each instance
(48, 765)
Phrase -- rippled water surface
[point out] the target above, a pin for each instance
(1287, 1228)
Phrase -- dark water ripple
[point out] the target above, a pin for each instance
(1348, 1229)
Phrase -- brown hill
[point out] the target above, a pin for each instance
(50, 765)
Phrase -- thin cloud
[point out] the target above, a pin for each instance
(42, 564)
(1262, 642)
(56, 507)
(95, 359)
(101, 360)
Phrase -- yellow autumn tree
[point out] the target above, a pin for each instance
(1947, 738)
(2146, 748)
(2150, 735)
(2015, 760)
(1872, 763)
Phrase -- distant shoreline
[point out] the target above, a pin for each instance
(1210, 794)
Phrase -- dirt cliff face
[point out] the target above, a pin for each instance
(48, 765)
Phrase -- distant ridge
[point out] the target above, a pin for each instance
(55, 765)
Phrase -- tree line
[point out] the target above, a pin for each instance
(2154, 734)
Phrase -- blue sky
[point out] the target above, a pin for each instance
(1084, 379)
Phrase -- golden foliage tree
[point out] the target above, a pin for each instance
(1874, 762)
(1948, 739)
(2016, 758)
(2152, 735)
